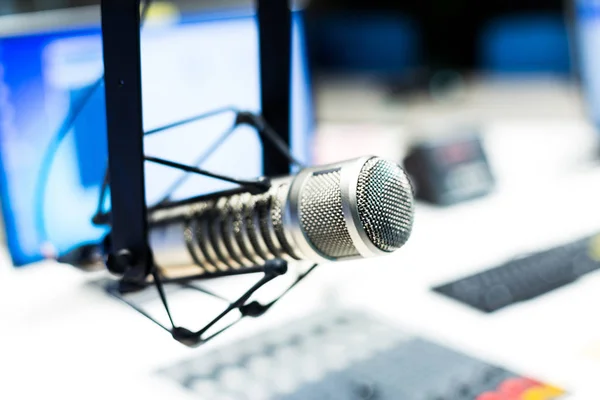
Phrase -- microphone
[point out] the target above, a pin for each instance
(353, 209)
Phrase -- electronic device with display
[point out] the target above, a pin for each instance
(449, 170)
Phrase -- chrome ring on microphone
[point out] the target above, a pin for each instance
(350, 173)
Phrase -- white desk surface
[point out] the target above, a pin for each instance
(63, 337)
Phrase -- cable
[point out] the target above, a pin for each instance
(242, 117)
(56, 141)
(197, 162)
(49, 155)
(98, 218)
(101, 197)
(261, 184)
(191, 119)
(266, 131)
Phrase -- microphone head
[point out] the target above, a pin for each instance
(385, 204)
(357, 208)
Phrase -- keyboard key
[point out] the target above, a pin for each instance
(514, 387)
(491, 396)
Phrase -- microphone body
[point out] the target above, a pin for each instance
(352, 209)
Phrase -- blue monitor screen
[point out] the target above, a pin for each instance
(588, 42)
(193, 65)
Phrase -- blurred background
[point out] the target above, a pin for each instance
(493, 108)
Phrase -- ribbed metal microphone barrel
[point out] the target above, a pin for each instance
(357, 208)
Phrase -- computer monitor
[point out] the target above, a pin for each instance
(196, 63)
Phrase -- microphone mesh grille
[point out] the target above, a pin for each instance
(322, 217)
(385, 204)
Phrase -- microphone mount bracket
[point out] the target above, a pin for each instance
(130, 255)
(128, 252)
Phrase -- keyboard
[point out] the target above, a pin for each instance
(527, 277)
(347, 355)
